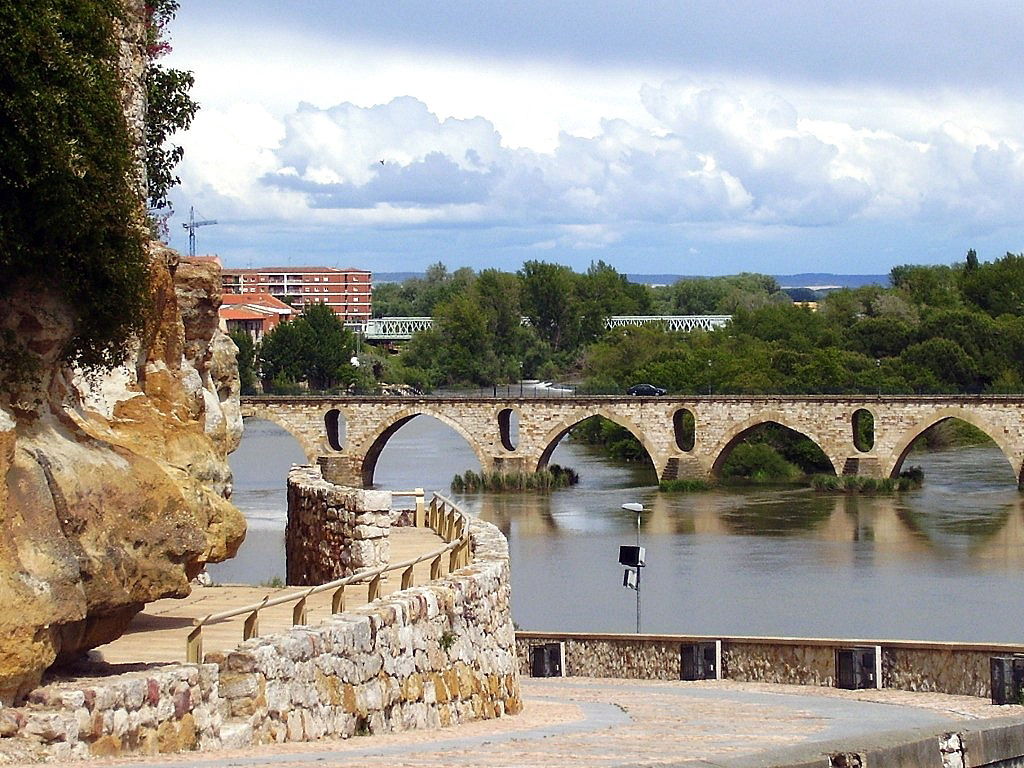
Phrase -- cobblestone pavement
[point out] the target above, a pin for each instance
(591, 722)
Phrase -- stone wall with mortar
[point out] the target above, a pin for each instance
(429, 656)
(719, 421)
(425, 657)
(155, 710)
(333, 531)
(954, 668)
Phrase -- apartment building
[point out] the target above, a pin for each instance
(348, 291)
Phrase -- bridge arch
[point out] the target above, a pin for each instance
(739, 431)
(376, 442)
(554, 436)
(943, 414)
(310, 447)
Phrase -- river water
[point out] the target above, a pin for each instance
(942, 563)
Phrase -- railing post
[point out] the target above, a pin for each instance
(442, 510)
(251, 628)
(374, 591)
(338, 600)
(194, 646)
(299, 612)
(453, 559)
(407, 578)
(433, 512)
(418, 520)
(435, 568)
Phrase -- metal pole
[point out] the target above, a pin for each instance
(638, 569)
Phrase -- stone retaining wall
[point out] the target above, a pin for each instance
(954, 668)
(161, 709)
(429, 656)
(333, 531)
(425, 657)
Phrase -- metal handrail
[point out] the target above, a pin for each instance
(447, 521)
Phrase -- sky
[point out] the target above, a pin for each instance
(695, 138)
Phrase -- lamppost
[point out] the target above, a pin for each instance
(709, 378)
(633, 557)
(878, 375)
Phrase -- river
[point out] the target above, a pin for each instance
(942, 563)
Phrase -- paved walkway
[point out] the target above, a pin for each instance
(589, 722)
(158, 633)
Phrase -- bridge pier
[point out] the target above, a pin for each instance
(684, 466)
(863, 466)
(506, 463)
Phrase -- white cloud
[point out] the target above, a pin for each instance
(730, 162)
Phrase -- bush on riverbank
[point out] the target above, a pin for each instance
(909, 480)
(554, 476)
(685, 485)
(758, 463)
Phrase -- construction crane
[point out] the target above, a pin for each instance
(192, 225)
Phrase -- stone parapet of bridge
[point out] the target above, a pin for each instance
(349, 432)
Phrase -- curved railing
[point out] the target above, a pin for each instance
(442, 516)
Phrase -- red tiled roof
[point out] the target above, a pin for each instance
(260, 298)
(233, 313)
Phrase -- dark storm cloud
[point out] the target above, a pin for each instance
(912, 43)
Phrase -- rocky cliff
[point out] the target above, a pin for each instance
(116, 487)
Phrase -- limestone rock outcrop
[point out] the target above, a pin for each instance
(116, 487)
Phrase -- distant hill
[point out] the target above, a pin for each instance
(818, 279)
(803, 280)
(395, 277)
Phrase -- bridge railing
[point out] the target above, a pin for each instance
(402, 328)
(441, 515)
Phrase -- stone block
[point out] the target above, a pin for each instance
(106, 746)
(993, 744)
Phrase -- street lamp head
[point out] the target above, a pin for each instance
(633, 507)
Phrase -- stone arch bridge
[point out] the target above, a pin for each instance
(347, 433)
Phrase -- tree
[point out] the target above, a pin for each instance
(71, 211)
(972, 260)
(314, 347)
(329, 347)
(465, 344)
(939, 364)
(549, 300)
(933, 285)
(997, 287)
(246, 358)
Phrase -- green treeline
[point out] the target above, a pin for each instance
(936, 329)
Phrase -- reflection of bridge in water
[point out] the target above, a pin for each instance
(348, 433)
(895, 533)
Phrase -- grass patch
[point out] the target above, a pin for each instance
(554, 476)
(909, 480)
